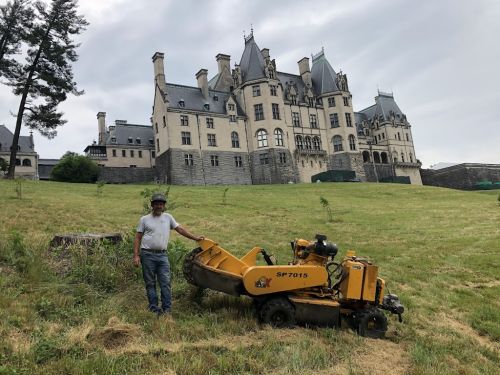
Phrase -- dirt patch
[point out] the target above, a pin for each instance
(383, 357)
(464, 329)
(489, 284)
(116, 335)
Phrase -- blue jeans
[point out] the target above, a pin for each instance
(156, 267)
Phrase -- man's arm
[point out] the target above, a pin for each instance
(137, 245)
(187, 234)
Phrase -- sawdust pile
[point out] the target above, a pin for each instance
(115, 334)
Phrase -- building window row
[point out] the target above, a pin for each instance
(313, 121)
(184, 120)
(276, 111)
(214, 161)
(124, 153)
(334, 120)
(262, 138)
(256, 90)
(307, 142)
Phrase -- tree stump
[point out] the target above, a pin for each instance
(84, 239)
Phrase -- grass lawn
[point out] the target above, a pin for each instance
(84, 313)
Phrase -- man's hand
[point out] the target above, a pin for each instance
(137, 260)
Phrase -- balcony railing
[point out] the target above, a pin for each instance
(310, 152)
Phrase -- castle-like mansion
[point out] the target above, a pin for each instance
(256, 125)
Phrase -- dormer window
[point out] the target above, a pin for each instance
(206, 106)
(138, 141)
(216, 98)
(230, 107)
(182, 104)
(151, 141)
(113, 139)
(130, 140)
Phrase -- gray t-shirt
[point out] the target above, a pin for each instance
(156, 230)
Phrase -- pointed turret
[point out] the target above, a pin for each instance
(323, 76)
(386, 107)
(252, 62)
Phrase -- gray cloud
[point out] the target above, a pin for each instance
(440, 58)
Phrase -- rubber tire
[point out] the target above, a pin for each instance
(371, 323)
(278, 312)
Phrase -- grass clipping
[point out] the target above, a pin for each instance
(116, 336)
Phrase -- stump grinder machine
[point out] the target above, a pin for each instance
(312, 289)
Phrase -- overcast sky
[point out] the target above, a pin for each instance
(440, 58)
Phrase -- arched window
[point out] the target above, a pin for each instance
(316, 143)
(235, 140)
(278, 137)
(298, 142)
(402, 157)
(411, 157)
(308, 143)
(352, 142)
(261, 138)
(18, 162)
(26, 163)
(337, 143)
(376, 157)
(384, 157)
(366, 157)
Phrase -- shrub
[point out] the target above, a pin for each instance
(104, 266)
(15, 253)
(176, 252)
(75, 168)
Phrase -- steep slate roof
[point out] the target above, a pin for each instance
(384, 104)
(6, 138)
(252, 63)
(299, 83)
(194, 100)
(123, 131)
(322, 74)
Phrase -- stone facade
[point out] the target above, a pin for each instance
(462, 176)
(117, 175)
(26, 158)
(285, 127)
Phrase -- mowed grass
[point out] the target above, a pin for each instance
(438, 249)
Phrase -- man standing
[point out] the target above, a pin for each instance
(151, 238)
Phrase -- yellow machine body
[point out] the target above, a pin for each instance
(311, 289)
(361, 280)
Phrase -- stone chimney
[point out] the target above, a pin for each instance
(201, 76)
(223, 62)
(101, 124)
(159, 71)
(305, 71)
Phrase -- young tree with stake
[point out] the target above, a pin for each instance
(46, 77)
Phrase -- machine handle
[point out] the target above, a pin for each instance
(267, 258)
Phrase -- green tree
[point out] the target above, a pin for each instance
(16, 19)
(75, 168)
(46, 77)
(4, 166)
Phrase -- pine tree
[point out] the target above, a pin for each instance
(15, 20)
(46, 77)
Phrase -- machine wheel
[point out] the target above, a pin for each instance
(371, 323)
(278, 312)
(187, 266)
